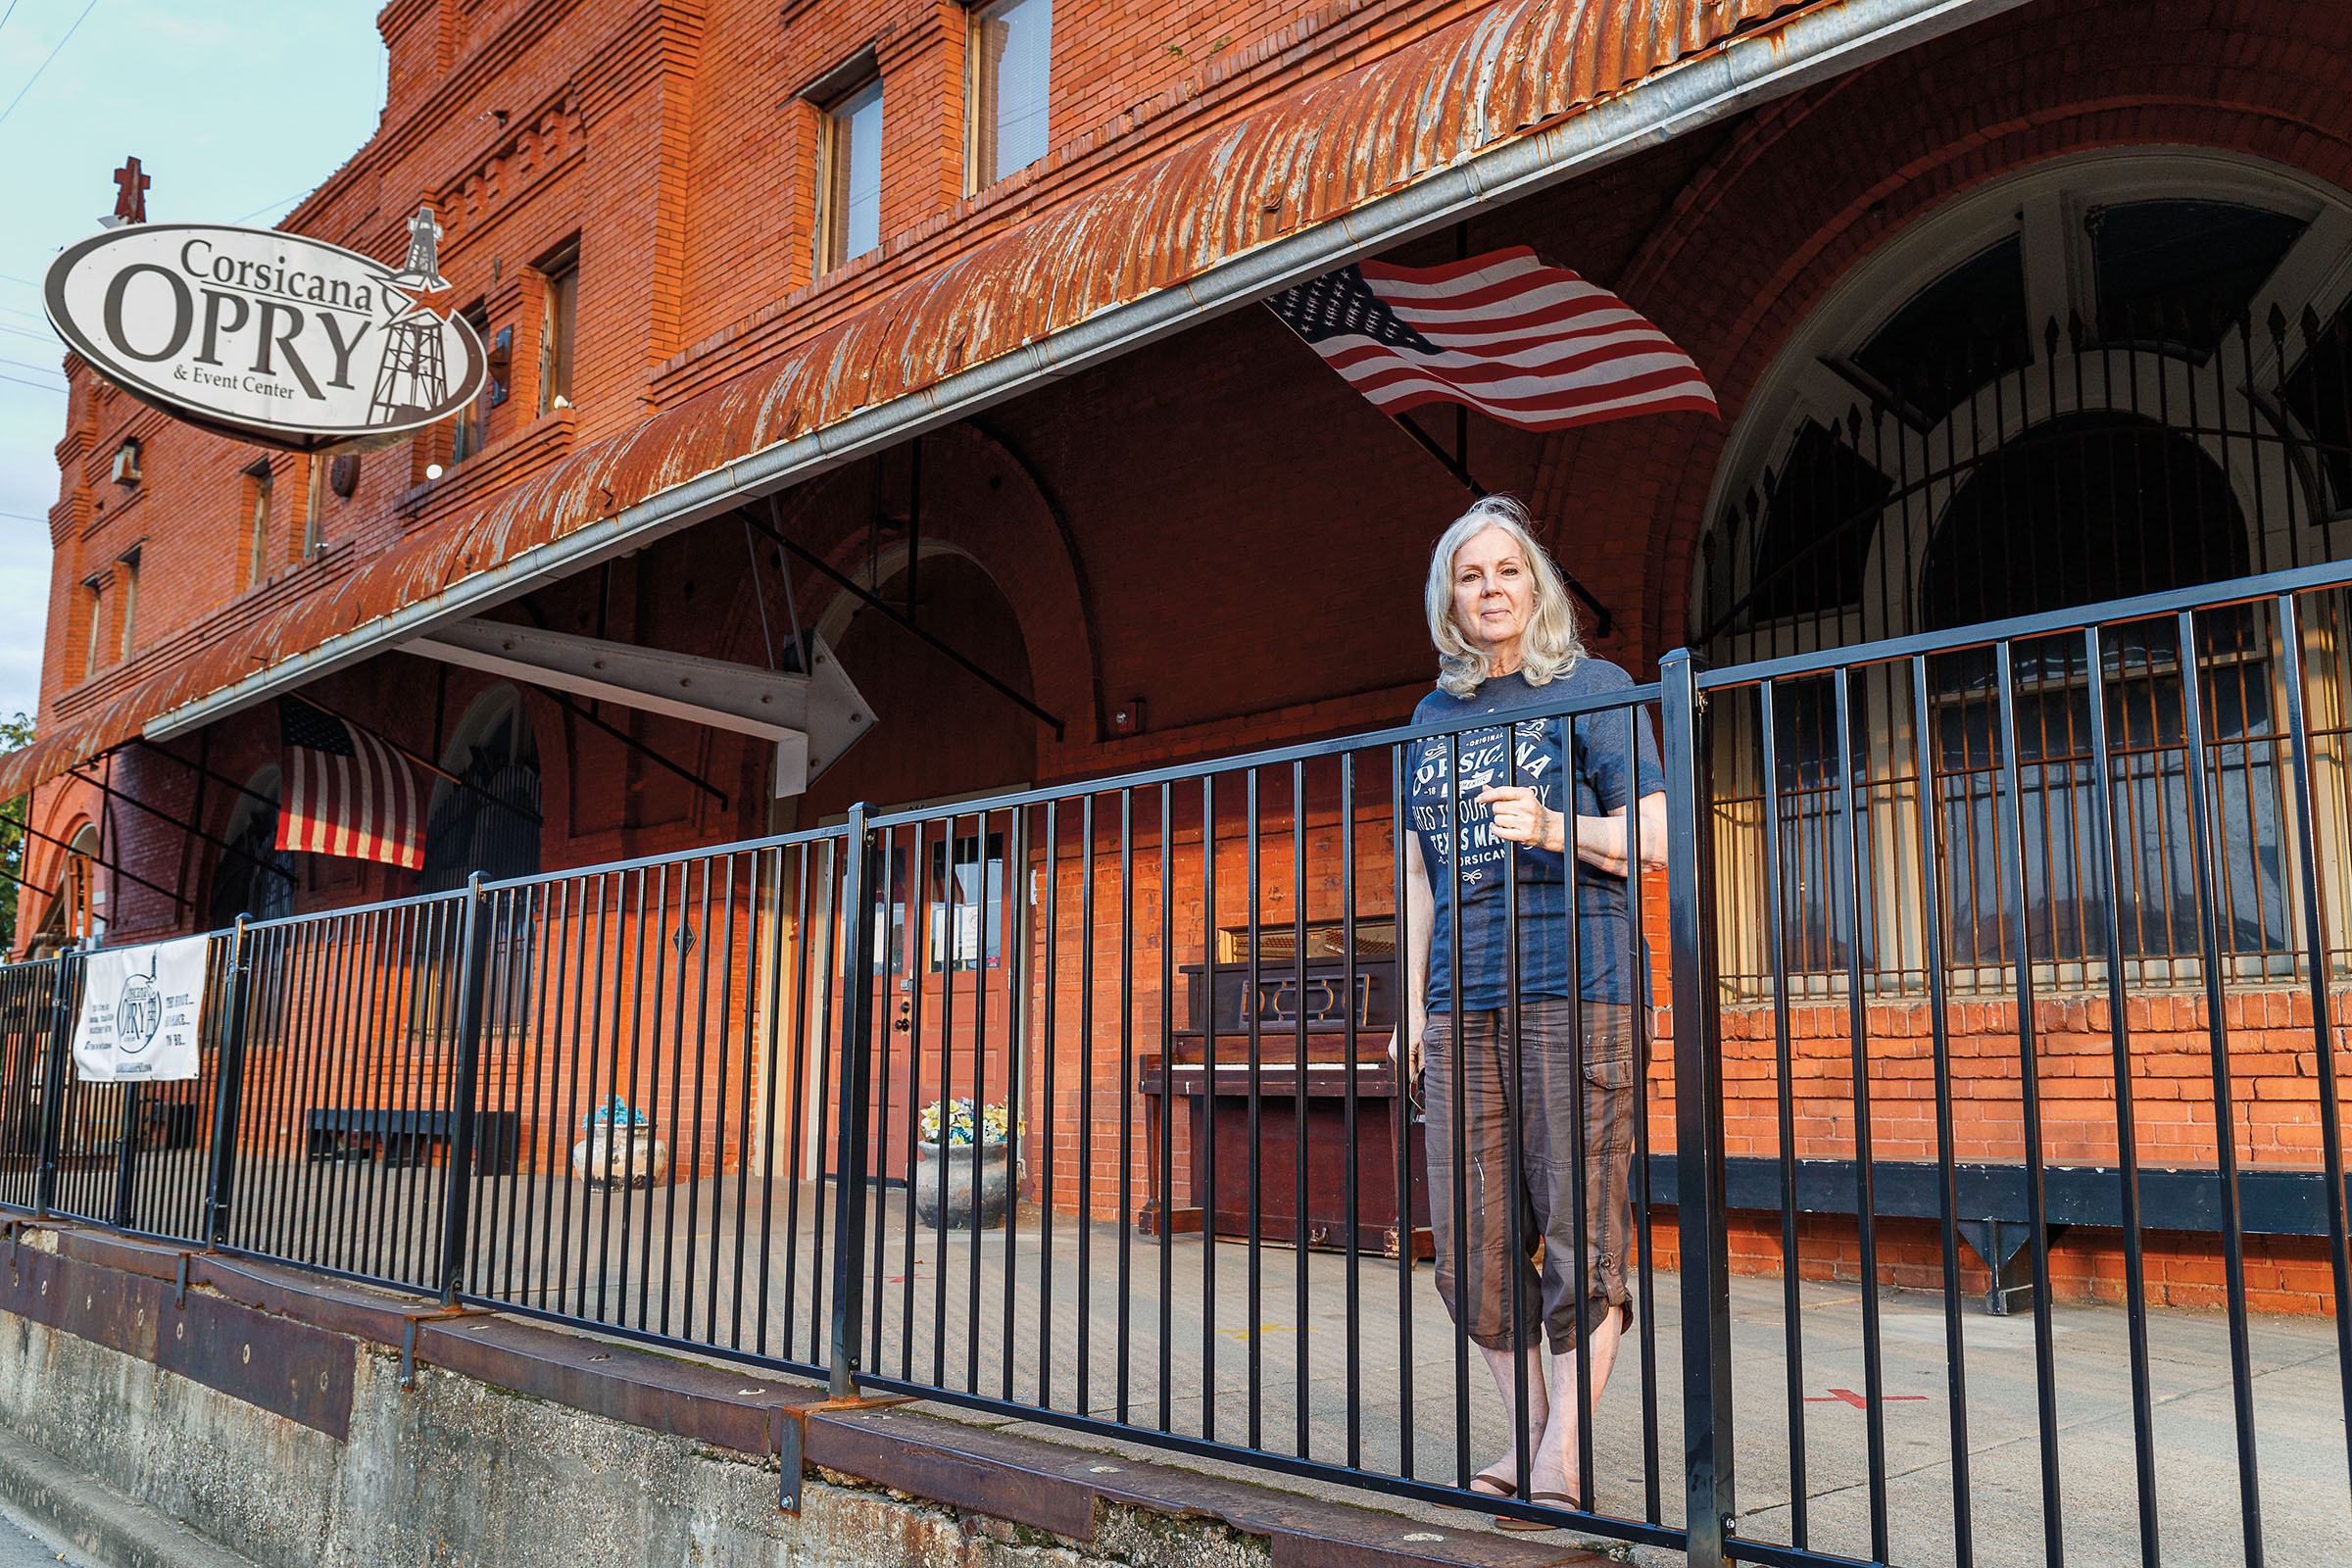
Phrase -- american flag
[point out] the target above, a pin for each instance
(1507, 333)
(345, 792)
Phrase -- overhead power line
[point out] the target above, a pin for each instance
(280, 202)
(45, 59)
(37, 386)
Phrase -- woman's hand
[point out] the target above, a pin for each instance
(1600, 841)
(1520, 817)
(1404, 1049)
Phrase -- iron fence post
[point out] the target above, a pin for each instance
(228, 1093)
(1697, 1119)
(127, 1158)
(53, 1088)
(474, 964)
(859, 898)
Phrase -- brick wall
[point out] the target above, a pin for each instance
(1213, 524)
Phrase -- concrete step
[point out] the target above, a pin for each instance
(94, 1520)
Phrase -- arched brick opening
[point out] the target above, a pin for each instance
(995, 577)
(1807, 188)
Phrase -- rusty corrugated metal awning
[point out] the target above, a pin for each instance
(1496, 106)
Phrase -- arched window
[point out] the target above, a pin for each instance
(2084, 310)
(2109, 376)
(254, 877)
(491, 822)
(75, 917)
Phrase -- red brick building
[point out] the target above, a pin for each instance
(819, 274)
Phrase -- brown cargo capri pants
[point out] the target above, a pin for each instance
(1549, 1071)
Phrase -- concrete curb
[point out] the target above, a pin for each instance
(97, 1520)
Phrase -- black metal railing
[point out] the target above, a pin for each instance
(713, 1100)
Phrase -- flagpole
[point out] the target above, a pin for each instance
(1446, 459)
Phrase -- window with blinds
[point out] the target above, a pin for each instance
(1010, 60)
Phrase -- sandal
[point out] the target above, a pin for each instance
(1504, 1521)
(1502, 1487)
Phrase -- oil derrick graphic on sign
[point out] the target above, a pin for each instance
(412, 378)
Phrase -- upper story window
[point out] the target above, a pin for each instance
(1011, 60)
(314, 505)
(126, 572)
(469, 430)
(849, 190)
(93, 595)
(257, 522)
(558, 309)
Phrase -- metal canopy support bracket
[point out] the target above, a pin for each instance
(99, 860)
(2001, 1244)
(1452, 464)
(898, 618)
(812, 719)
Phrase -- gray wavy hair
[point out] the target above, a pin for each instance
(1550, 648)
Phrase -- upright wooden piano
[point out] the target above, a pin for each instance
(1297, 998)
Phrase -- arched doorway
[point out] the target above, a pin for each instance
(488, 823)
(2106, 376)
(254, 877)
(954, 921)
(942, 731)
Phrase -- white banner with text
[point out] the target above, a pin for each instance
(140, 1011)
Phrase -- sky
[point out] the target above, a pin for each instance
(237, 109)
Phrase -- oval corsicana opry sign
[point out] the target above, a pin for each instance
(267, 337)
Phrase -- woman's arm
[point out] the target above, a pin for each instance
(1600, 841)
(1420, 913)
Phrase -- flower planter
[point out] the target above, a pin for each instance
(610, 1157)
(977, 1186)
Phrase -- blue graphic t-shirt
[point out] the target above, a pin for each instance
(1609, 773)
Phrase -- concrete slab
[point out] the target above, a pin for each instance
(1199, 1342)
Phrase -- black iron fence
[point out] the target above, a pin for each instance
(2149, 450)
(1079, 1104)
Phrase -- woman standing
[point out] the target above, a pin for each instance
(1542, 801)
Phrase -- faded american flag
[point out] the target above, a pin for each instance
(345, 792)
(1506, 333)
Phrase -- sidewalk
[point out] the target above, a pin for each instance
(2298, 1409)
(1362, 1400)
